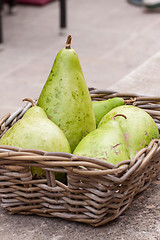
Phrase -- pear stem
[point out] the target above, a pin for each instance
(119, 115)
(68, 43)
(30, 100)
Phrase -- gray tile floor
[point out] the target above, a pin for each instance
(111, 38)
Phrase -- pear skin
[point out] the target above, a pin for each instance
(138, 129)
(36, 131)
(65, 97)
(101, 108)
(105, 143)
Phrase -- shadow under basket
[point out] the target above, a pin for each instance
(96, 192)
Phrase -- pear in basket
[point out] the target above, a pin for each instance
(138, 128)
(106, 143)
(36, 131)
(65, 97)
(101, 108)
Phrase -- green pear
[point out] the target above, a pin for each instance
(105, 143)
(65, 97)
(36, 131)
(138, 129)
(100, 108)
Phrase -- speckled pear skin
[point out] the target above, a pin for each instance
(138, 129)
(65, 98)
(105, 143)
(101, 108)
(36, 131)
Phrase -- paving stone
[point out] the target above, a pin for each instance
(118, 47)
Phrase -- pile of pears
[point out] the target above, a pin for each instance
(66, 120)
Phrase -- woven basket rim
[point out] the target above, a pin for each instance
(100, 164)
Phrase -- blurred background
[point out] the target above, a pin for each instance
(111, 38)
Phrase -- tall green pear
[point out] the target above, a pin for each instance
(105, 143)
(36, 131)
(65, 97)
(138, 128)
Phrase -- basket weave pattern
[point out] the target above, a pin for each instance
(96, 191)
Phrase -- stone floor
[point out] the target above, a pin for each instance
(113, 39)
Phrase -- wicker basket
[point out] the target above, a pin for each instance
(96, 194)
